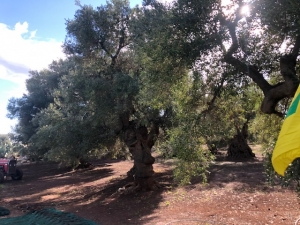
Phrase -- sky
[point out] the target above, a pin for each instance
(31, 36)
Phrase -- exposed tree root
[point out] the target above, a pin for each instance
(140, 184)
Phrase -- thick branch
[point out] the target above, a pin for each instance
(120, 46)
(252, 72)
(291, 80)
(296, 49)
(272, 94)
(216, 93)
(103, 47)
(153, 134)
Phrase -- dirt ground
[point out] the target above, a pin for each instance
(237, 193)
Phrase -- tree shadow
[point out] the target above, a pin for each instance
(115, 207)
(238, 175)
(90, 193)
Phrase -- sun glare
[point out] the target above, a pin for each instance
(229, 7)
(245, 11)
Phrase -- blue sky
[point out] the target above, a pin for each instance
(45, 16)
(32, 32)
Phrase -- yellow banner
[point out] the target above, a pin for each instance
(287, 147)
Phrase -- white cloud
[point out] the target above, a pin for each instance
(32, 34)
(6, 123)
(21, 52)
(21, 28)
(19, 46)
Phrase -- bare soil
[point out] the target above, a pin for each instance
(237, 193)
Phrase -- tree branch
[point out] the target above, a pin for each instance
(153, 134)
(120, 46)
(252, 72)
(296, 48)
(272, 93)
(216, 93)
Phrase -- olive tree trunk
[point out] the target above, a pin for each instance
(238, 147)
(140, 142)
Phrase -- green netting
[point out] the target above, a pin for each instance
(47, 217)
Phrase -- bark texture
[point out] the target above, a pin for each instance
(140, 142)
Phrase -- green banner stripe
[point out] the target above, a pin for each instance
(293, 107)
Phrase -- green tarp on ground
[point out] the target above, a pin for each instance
(46, 217)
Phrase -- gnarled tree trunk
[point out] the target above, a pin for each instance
(140, 142)
(239, 147)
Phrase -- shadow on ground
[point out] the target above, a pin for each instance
(117, 208)
(90, 193)
(236, 191)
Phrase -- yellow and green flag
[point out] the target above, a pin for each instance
(287, 147)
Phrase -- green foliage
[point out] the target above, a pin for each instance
(186, 139)
(5, 145)
(21, 109)
(282, 17)
(83, 120)
(40, 88)
(291, 176)
(193, 159)
(99, 34)
(265, 129)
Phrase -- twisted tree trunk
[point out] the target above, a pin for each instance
(239, 147)
(140, 143)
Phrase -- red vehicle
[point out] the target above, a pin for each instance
(8, 167)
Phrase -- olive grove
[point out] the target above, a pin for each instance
(178, 76)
